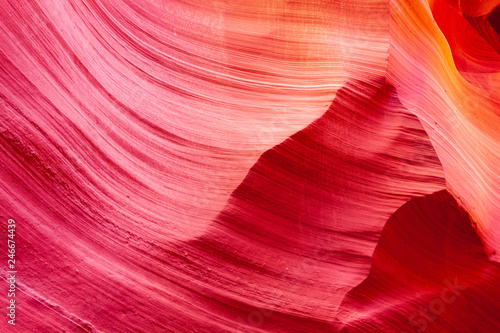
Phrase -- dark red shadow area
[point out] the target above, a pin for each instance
(494, 19)
(300, 230)
(429, 274)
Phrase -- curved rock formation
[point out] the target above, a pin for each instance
(230, 166)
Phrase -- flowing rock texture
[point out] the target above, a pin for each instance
(250, 166)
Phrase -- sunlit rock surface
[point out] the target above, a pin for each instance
(231, 166)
